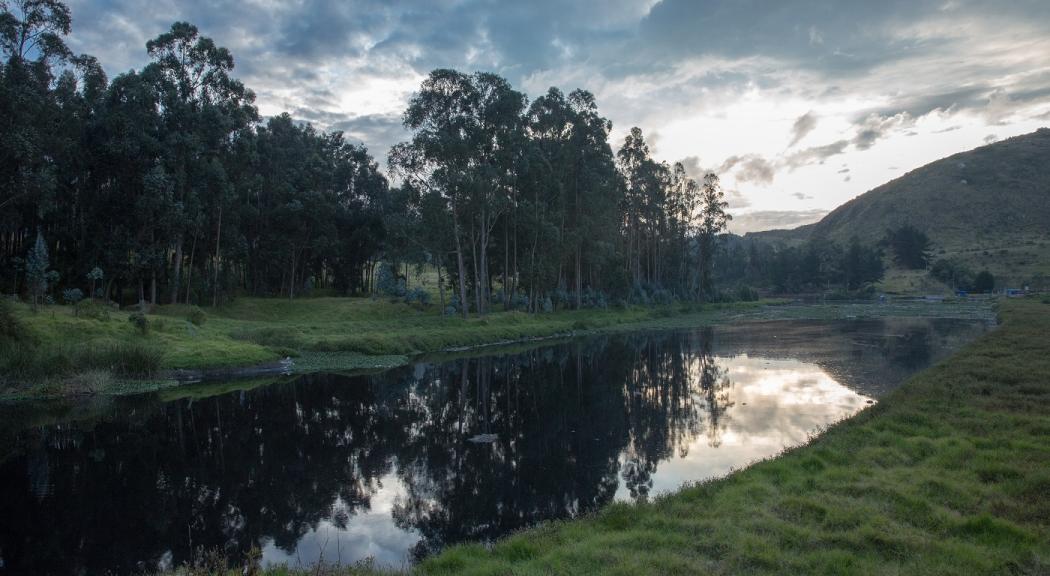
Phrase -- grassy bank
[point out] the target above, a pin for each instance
(64, 351)
(948, 475)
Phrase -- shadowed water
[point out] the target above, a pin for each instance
(397, 465)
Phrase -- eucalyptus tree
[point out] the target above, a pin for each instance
(465, 129)
(32, 46)
(202, 106)
(713, 222)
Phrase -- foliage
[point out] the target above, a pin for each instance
(197, 317)
(72, 296)
(417, 295)
(910, 246)
(91, 309)
(140, 322)
(984, 282)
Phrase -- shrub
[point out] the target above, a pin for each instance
(417, 295)
(92, 310)
(388, 282)
(72, 296)
(984, 282)
(196, 316)
(521, 301)
(140, 322)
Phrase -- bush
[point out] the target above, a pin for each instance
(417, 295)
(140, 322)
(520, 301)
(72, 296)
(984, 282)
(388, 282)
(92, 310)
(196, 316)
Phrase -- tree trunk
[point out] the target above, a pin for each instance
(177, 271)
(462, 267)
(189, 270)
(218, 260)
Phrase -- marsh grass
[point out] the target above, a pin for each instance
(23, 361)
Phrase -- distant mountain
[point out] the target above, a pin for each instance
(989, 207)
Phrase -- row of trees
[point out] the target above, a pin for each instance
(163, 181)
(533, 195)
(164, 185)
(817, 265)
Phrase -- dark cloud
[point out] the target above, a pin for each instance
(803, 126)
(913, 57)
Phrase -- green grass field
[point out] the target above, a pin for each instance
(64, 353)
(320, 333)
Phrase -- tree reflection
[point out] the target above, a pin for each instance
(152, 480)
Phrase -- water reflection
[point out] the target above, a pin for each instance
(342, 468)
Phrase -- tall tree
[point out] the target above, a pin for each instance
(713, 221)
(202, 106)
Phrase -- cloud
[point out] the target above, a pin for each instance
(815, 155)
(694, 169)
(869, 72)
(749, 168)
(803, 126)
(773, 220)
(874, 127)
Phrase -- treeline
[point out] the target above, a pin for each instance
(162, 182)
(817, 265)
(526, 205)
(163, 185)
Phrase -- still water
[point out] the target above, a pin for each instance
(397, 465)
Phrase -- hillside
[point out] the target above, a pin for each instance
(988, 207)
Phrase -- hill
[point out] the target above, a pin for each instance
(988, 208)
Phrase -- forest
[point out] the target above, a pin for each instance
(164, 185)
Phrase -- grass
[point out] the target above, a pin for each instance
(332, 334)
(949, 474)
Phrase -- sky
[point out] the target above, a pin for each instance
(798, 105)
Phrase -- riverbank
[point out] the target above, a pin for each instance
(950, 474)
(73, 352)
